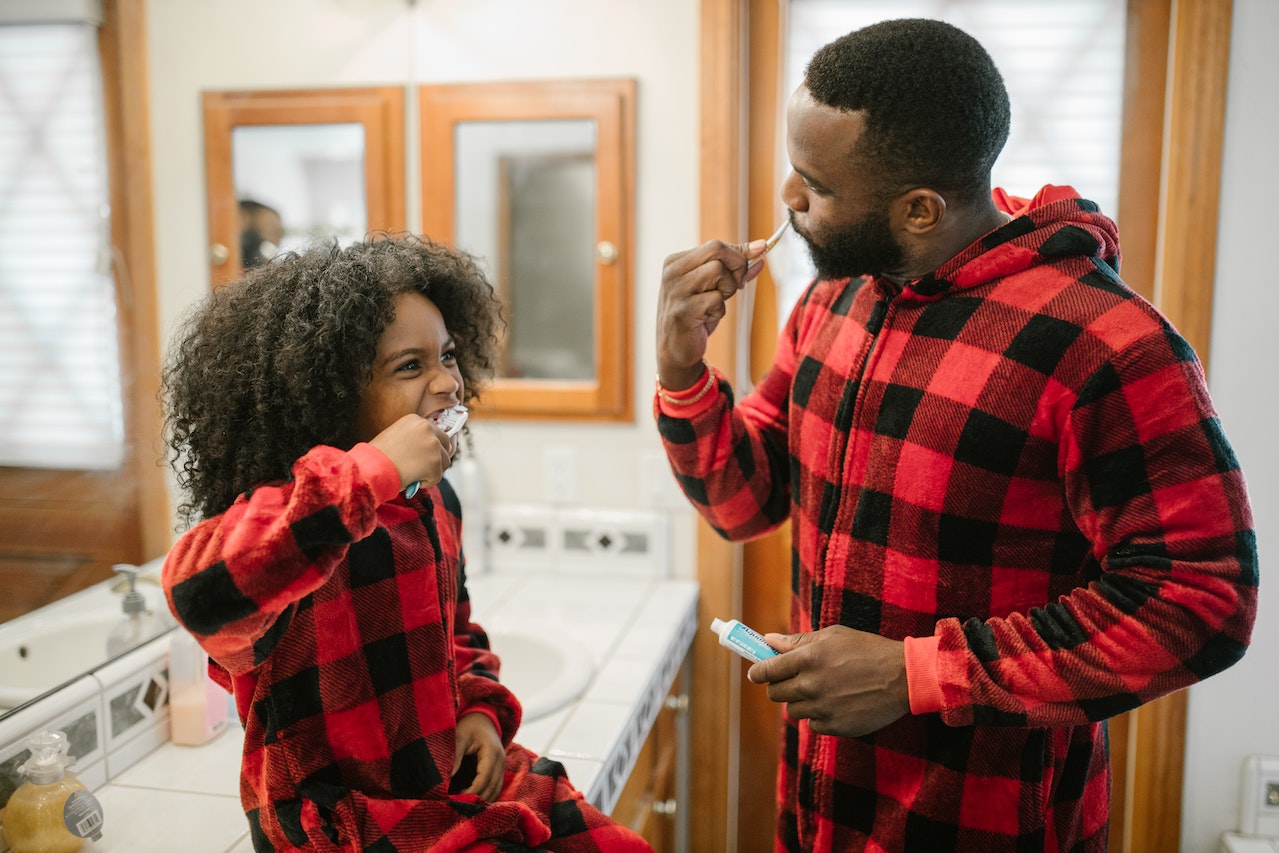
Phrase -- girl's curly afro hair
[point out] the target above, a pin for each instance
(273, 364)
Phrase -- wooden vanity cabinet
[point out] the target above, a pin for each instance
(650, 801)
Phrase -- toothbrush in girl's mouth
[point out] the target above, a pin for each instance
(768, 247)
(451, 421)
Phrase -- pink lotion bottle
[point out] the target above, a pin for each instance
(197, 704)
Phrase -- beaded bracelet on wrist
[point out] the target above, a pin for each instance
(666, 397)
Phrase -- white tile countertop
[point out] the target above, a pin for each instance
(636, 630)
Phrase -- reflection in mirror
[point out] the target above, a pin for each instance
(529, 203)
(537, 180)
(297, 184)
(80, 489)
(341, 174)
(287, 168)
(59, 642)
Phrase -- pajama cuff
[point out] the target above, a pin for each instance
(487, 711)
(378, 471)
(689, 402)
(922, 683)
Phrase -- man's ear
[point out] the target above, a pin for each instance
(919, 211)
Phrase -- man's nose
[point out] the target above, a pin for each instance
(792, 195)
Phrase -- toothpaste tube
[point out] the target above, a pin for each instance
(741, 639)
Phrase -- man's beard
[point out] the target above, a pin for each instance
(866, 247)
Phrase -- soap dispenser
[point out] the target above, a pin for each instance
(52, 812)
(139, 623)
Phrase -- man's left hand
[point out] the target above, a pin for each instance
(844, 682)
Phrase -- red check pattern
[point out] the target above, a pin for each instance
(336, 610)
(1015, 462)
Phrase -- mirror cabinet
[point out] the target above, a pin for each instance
(538, 180)
(535, 179)
(286, 167)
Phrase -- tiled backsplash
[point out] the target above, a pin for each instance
(623, 543)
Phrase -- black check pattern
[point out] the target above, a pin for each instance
(1016, 458)
(343, 626)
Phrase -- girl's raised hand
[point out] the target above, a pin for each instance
(421, 451)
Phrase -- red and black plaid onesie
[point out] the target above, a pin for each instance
(337, 612)
(1014, 461)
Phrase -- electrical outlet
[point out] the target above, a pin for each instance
(1259, 806)
(559, 475)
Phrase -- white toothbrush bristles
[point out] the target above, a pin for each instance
(451, 421)
(772, 241)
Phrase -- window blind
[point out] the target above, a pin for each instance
(60, 378)
(1062, 63)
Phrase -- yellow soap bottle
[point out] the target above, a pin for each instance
(52, 812)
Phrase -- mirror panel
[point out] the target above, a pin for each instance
(536, 179)
(320, 163)
(297, 184)
(526, 198)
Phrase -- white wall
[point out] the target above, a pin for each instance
(197, 45)
(1237, 712)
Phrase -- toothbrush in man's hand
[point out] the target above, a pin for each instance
(772, 241)
(451, 421)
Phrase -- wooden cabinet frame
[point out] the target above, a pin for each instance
(611, 105)
(379, 110)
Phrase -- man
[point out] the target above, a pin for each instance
(1014, 513)
(261, 232)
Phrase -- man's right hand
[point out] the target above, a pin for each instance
(696, 286)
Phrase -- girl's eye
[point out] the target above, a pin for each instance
(449, 357)
(411, 364)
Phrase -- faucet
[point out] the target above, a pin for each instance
(131, 577)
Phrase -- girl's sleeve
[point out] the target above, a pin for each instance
(229, 579)
(477, 667)
(479, 690)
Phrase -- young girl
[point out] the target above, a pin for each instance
(301, 401)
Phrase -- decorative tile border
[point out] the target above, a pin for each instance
(608, 785)
(521, 538)
(75, 709)
(113, 717)
(631, 543)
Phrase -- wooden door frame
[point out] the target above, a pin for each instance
(1175, 86)
(122, 41)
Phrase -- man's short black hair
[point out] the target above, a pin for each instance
(936, 107)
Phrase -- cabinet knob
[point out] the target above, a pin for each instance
(219, 254)
(605, 252)
(665, 807)
(678, 703)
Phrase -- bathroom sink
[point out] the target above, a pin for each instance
(544, 669)
(49, 652)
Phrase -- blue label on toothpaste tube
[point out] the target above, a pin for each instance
(743, 640)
